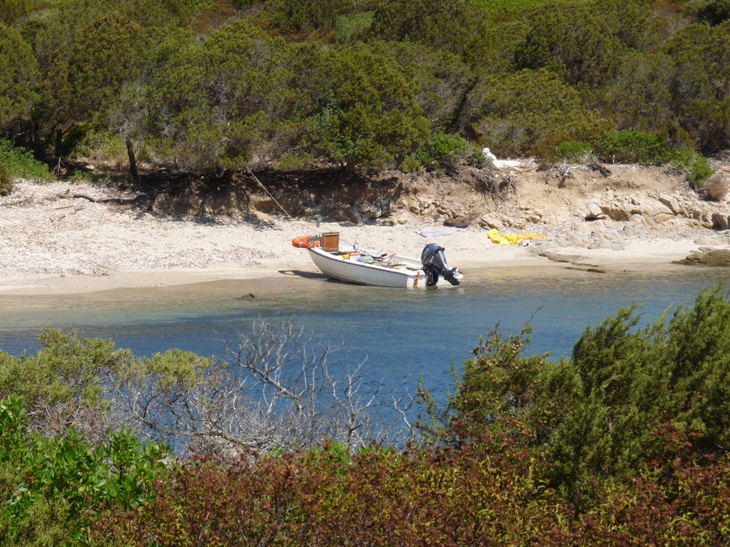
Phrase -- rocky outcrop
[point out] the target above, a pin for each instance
(654, 209)
(652, 199)
(707, 256)
(720, 221)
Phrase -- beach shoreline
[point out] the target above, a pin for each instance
(54, 245)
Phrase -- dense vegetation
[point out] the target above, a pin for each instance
(627, 441)
(215, 85)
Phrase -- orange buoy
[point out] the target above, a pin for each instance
(305, 242)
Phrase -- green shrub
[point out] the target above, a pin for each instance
(695, 166)
(632, 147)
(97, 146)
(636, 383)
(609, 411)
(574, 42)
(575, 152)
(371, 117)
(306, 15)
(411, 164)
(349, 27)
(515, 7)
(448, 153)
(13, 10)
(6, 181)
(65, 375)
(710, 11)
(51, 486)
(90, 177)
(20, 163)
(530, 113)
(296, 161)
(441, 25)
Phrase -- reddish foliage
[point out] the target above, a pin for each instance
(440, 497)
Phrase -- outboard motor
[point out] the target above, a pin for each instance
(434, 264)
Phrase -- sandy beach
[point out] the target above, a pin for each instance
(54, 244)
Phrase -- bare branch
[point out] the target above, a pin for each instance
(273, 390)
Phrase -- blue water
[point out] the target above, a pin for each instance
(399, 333)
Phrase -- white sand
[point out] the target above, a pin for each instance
(52, 244)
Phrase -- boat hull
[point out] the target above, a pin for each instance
(362, 269)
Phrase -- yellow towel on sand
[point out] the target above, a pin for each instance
(510, 239)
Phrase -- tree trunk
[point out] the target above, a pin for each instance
(133, 173)
(58, 141)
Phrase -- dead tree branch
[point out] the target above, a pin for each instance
(274, 390)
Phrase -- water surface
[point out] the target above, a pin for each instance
(399, 333)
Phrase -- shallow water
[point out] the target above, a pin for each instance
(400, 333)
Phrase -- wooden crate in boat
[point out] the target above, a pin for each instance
(331, 241)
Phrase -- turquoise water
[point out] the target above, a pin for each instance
(399, 333)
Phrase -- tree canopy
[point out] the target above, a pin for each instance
(206, 86)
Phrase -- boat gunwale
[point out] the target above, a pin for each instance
(412, 271)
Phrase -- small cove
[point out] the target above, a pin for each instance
(399, 333)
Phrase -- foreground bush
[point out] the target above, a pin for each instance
(443, 497)
(624, 442)
(472, 496)
(601, 415)
(50, 487)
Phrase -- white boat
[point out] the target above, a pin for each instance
(367, 267)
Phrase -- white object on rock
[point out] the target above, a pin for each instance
(506, 163)
(488, 154)
(499, 163)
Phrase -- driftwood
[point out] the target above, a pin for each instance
(119, 199)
